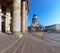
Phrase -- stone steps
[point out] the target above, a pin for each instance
(7, 42)
(13, 47)
(17, 46)
(20, 46)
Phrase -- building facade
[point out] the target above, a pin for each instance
(35, 26)
(53, 28)
(14, 15)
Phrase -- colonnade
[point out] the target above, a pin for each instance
(19, 18)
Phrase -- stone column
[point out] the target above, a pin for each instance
(16, 17)
(23, 16)
(7, 21)
(26, 21)
(0, 19)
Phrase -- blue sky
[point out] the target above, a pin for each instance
(48, 11)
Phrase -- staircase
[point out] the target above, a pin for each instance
(11, 44)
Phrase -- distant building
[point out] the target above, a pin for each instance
(35, 27)
(53, 28)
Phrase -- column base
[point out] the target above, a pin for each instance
(26, 30)
(8, 31)
(0, 31)
(23, 31)
(17, 34)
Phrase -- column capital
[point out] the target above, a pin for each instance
(8, 14)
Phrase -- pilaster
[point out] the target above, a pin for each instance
(0, 19)
(7, 21)
(23, 16)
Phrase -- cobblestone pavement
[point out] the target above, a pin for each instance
(29, 44)
(52, 37)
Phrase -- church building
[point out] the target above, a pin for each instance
(35, 26)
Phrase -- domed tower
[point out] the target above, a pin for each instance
(35, 20)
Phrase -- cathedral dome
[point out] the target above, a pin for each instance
(35, 20)
(35, 16)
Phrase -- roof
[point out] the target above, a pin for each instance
(9, 3)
